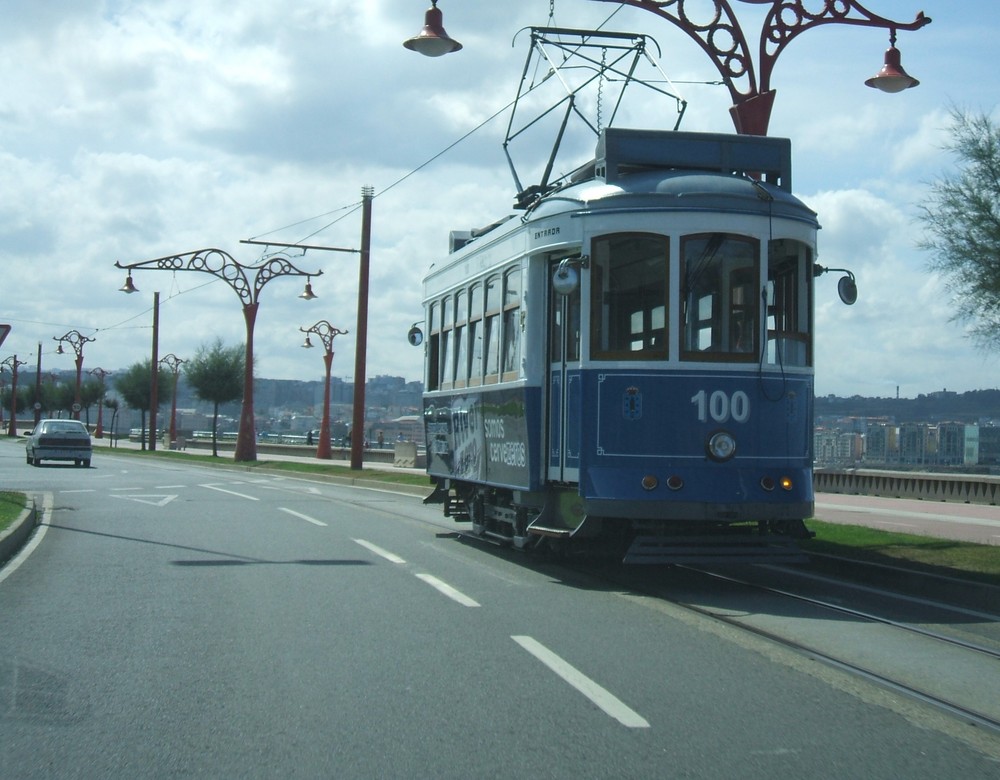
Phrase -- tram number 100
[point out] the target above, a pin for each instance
(722, 407)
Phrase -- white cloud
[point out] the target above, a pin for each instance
(131, 130)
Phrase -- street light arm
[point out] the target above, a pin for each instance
(789, 18)
(222, 265)
(723, 39)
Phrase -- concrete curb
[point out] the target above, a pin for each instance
(17, 534)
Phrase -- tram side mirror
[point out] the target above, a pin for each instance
(847, 287)
(566, 277)
(415, 336)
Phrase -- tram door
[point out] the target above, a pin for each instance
(564, 412)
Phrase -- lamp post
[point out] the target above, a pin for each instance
(361, 333)
(13, 363)
(76, 340)
(38, 384)
(173, 362)
(247, 281)
(723, 39)
(100, 373)
(154, 364)
(326, 333)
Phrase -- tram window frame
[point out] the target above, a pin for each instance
(511, 325)
(789, 304)
(432, 375)
(614, 332)
(475, 335)
(492, 317)
(447, 342)
(461, 338)
(726, 311)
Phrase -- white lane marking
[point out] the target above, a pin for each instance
(603, 698)
(391, 557)
(124, 489)
(36, 539)
(153, 500)
(447, 590)
(301, 516)
(170, 487)
(67, 492)
(230, 492)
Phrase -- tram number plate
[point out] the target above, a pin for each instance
(721, 406)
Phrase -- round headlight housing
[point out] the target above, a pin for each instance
(721, 446)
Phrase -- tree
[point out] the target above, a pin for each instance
(962, 220)
(135, 385)
(216, 375)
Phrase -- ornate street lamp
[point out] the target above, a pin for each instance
(13, 363)
(326, 333)
(238, 276)
(173, 362)
(100, 373)
(76, 340)
(722, 38)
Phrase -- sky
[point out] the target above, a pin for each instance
(136, 129)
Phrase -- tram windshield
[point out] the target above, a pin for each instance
(629, 296)
(720, 301)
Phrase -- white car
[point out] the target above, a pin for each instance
(59, 440)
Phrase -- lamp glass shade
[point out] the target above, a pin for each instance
(432, 40)
(892, 77)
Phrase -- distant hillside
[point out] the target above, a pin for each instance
(943, 406)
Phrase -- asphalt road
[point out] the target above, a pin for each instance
(171, 620)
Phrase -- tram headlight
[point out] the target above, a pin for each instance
(721, 446)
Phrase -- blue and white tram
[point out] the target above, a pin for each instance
(628, 364)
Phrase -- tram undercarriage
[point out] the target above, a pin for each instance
(554, 521)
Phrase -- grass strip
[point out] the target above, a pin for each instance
(11, 506)
(923, 553)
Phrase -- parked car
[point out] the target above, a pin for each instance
(59, 440)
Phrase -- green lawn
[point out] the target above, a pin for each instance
(11, 506)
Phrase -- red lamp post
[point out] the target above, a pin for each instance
(76, 340)
(223, 266)
(173, 362)
(723, 39)
(100, 373)
(326, 333)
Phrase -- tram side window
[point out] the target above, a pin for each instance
(720, 298)
(476, 344)
(789, 341)
(461, 339)
(511, 352)
(433, 356)
(447, 343)
(491, 329)
(629, 286)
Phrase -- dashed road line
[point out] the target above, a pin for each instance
(603, 698)
(230, 492)
(301, 516)
(391, 557)
(452, 593)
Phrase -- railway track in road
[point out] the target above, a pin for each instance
(948, 698)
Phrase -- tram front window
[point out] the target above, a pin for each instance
(719, 297)
(629, 297)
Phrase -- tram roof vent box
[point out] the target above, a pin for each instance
(624, 150)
